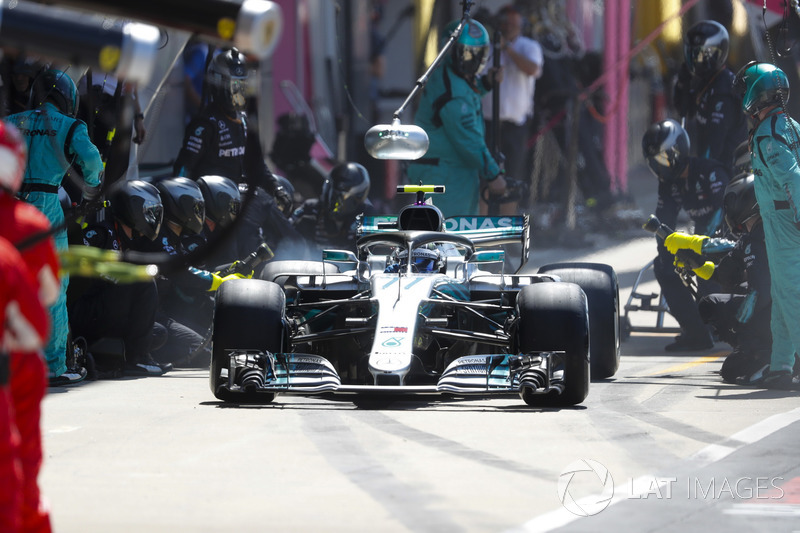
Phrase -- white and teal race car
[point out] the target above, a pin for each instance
(422, 306)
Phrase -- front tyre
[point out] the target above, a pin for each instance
(248, 315)
(554, 317)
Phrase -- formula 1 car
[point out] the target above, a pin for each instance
(422, 307)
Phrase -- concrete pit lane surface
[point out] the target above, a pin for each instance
(662, 443)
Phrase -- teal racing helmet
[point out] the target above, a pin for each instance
(57, 86)
(761, 85)
(471, 50)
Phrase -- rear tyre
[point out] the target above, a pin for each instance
(553, 317)
(248, 315)
(599, 282)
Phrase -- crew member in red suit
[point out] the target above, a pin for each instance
(25, 329)
(21, 222)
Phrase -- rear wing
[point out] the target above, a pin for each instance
(482, 231)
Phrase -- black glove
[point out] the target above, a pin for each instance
(90, 194)
(683, 95)
(690, 258)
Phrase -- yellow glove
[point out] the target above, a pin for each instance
(236, 265)
(678, 240)
(216, 280)
(705, 271)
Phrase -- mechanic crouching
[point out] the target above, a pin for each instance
(695, 185)
(105, 308)
(223, 203)
(740, 317)
(185, 302)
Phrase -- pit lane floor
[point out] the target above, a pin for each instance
(684, 450)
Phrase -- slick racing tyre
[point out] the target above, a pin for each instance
(553, 317)
(279, 271)
(248, 315)
(599, 282)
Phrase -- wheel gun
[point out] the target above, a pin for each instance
(249, 263)
(661, 231)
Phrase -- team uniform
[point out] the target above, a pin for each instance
(719, 124)
(55, 141)
(25, 328)
(450, 113)
(105, 308)
(215, 144)
(741, 317)
(774, 151)
(700, 196)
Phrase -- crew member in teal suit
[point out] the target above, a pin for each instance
(450, 113)
(57, 141)
(775, 155)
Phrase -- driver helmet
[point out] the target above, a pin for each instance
(739, 203)
(13, 157)
(423, 260)
(471, 50)
(705, 48)
(345, 190)
(666, 149)
(137, 204)
(183, 203)
(57, 86)
(761, 85)
(222, 198)
(227, 81)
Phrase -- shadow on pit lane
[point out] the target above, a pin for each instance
(748, 393)
(388, 404)
(653, 346)
(755, 394)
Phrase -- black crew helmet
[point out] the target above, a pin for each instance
(705, 48)
(742, 163)
(227, 80)
(222, 198)
(345, 190)
(665, 145)
(56, 85)
(739, 203)
(183, 203)
(137, 204)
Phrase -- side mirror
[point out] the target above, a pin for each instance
(346, 260)
(339, 256)
(488, 256)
